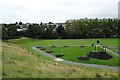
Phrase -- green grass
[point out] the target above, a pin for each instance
(21, 63)
(28, 43)
(106, 41)
(73, 52)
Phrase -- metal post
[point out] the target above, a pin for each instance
(104, 48)
(95, 47)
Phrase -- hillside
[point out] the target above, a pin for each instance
(20, 63)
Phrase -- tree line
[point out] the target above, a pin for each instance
(72, 29)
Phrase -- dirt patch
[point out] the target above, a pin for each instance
(97, 55)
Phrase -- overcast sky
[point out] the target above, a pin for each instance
(55, 10)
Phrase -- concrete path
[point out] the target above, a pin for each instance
(44, 53)
(115, 53)
(76, 63)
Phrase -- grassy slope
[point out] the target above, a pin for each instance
(19, 63)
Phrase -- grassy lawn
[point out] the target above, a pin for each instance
(106, 41)
(21, 63)
(71, 52)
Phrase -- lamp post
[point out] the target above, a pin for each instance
(98, 41)
(105, 48)
(96, 44)
(95, 47)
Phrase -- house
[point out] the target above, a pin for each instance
(22, 27)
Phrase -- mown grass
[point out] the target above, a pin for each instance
(28, 43)
(71, 53)
(105, 41)
(21, 63)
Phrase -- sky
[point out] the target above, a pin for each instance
(36, 11)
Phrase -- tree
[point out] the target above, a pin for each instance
(20, 23)
(74, 28)
(41, 23)
(12, 31)
(49, 34)
(4, 31)
(60, 30)
(92, 28)
(35, 31)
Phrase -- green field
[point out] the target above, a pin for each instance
(71, 52)
(106, 41)
(21, 63)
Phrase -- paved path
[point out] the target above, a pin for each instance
(115, 53)
(75, 63)
(44, 53)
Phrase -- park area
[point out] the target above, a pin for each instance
(21, 60)
(59, 39)
(75, 49)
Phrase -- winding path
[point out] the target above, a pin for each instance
(76, 63)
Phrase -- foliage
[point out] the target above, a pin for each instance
(9, 31)
(92, 28)
(35, 31)
(60, 30)
(72, 29)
